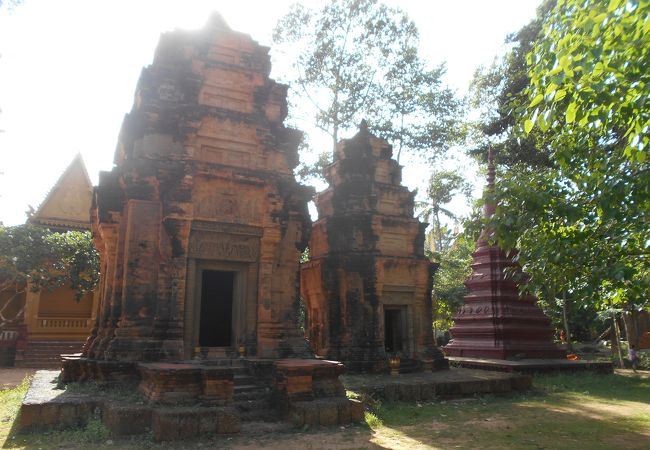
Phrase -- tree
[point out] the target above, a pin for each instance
(589, 93)
(443, 186)
(448, 282)
(358, 59)
(580, 214)
(590, 75)
(35, 258)
(498, 90)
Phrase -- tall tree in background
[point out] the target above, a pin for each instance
(449, 281)
(498, 90)
(358, 59)
(451, 250)
(444, 185)
(35, 258)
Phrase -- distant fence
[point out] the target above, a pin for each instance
(8, 336)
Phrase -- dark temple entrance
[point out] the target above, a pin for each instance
(393, 330)
(217, 288)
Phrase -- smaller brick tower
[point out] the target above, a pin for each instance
(368, 284)
(496, 321)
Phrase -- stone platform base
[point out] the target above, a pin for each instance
(47, 407)
(426, 386)
(530, 366)
(177, 401)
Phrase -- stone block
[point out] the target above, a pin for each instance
(447, 389)
(68, 415)
(471, 387)
(297, 417)
(521, 383)
(409, 392)
(189, 425)
(306, 412)
(328, 387)
(174, 424)
(228, 422)
(30, 417)
(328, 413)
(344, 411)
(48, 414)
(427, 392)
(391, 392)
(356, 410)
(208, 423)
(126, 420)
(299, 385)
(70, 369)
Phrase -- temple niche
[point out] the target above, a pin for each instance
(367, 284)
(201, 223)
(496, 321)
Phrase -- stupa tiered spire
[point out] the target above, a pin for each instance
(497, 321)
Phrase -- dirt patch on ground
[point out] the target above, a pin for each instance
(348, 439)
(601, 410)
(10, 377)
(645, 374)
(495, 422)
(431, 426)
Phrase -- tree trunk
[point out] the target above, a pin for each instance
(438, 230)
(631, 331)
(607, 332)
(399, 151)
(566, 323)
(617, 342)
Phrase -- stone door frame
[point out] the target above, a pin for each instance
(228, 248)
(402, 298)
(238, 297)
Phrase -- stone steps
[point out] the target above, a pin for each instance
(408, 366)
(252, 402)
(46, 354)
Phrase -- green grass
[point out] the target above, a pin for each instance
(562, 411)
(573, 411)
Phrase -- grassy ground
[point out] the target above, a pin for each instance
(580, 411)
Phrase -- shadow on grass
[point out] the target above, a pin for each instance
(565, 411)
(607, 387)
(523, 426)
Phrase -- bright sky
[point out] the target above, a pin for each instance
(68, 71)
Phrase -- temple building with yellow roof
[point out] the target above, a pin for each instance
(54, 322)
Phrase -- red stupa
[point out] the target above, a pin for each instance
(496, 321)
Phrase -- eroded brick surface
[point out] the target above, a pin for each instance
(368, 284)
(202, 181)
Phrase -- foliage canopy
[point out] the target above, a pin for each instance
(583, 222)
(590, 75)
(36, 258)
(358, 59)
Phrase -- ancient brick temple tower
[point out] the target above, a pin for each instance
(496, 321)
(367, 284)
(201, 222)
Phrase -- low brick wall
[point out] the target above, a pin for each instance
(170, 383)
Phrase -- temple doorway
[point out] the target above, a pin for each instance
(393, 329)
(216, 320)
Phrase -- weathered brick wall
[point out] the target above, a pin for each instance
(203, 176)
(367, 254)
